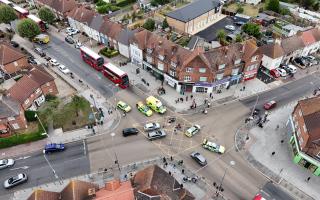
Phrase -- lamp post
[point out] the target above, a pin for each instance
(94, 101)
(232, 163)
(54, 171)
(116, 161)
(45, 131)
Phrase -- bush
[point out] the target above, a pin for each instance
(22, 138)
(124, 3)
(50, 97)
(30, 115)
(101, 3)
(109, 52)
(106, 8)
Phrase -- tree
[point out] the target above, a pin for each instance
(149, 24)
(7, 14)
(252, 29)
(28, 28)
(238, 38)
(165, 24)
(221, 35)
(240, 9)
(77, 101)
(316, 6)
(46, 15)
(307, 3)
(273, 5)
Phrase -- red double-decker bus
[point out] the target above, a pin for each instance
(92, 58)
(116, 75)
(37, 20)
(21, 12)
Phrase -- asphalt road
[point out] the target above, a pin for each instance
(272, 192)
(69, 163)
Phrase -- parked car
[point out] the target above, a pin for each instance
(292, 69)
(31, 60)
(69, 39)
(156, 134)
(311, 60)
(64, 69)
(72, 31)
(282, 72)
(54, 62)
(269, 105)
(78, 45)
(274, 73)
(211, 146)
(230, 27)
(15, 180)
(54, 147)
(192, 130)
(4, 163)
(200, 159)
(123, 106)
(144, 109)
(14, 44)
(151, 126)
(300, 61)
(40, 52)
(129, 131)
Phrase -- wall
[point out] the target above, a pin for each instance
(20, 120)
(270, 63)
(176, 24)
(136, 55)
(124, 50)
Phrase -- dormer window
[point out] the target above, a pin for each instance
(149, 50)
(222, 66)
(161, 57)
(237, 61)
(173, 64)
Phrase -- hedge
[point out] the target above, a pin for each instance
(123, 3)
(109, 52)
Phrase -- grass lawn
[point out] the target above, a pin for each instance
(72, 115)
(249, 10)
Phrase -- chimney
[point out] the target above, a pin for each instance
(91, 192)
(113, 185)
(277, 41)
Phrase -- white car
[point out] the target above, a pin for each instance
(192, 130)
(64, 69)
(6, 163)
(72, 31)
(54, 62)
(78, 45)
(15, 180)
(151, 126)
(292, 68)
(230, 27)
(282, 72)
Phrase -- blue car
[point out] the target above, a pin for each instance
(53, 147)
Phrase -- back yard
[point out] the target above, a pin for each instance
(248, 9)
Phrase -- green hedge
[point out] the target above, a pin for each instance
(30, 115)
(109, 52)
(22, 138)
(123, 3)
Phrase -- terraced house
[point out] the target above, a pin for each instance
(59, 7)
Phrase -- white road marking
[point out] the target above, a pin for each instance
(22, 158)
(24, 167)
(84, 147)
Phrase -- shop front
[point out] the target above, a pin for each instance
(248, 75)
(186, 87)
(220, 84)
(202, 87)
(171, 81)
(154, 71)
(235, 79)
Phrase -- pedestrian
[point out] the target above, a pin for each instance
(195, 105)
(181, 99)
(182, 171)
(273, 153)
(308, 179)
(175, 131)
(178, 100)
(186, 98)
(164, 159)
(210, 94)
(191, 96)
(171, 158)
(174, 166)
(110, 111)
(277, 127)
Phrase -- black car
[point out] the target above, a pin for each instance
(300, 61)
(129, 131)
(14, 44)
(69, 39)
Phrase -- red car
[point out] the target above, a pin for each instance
(269, 105)
(274, 73)
(259, 197)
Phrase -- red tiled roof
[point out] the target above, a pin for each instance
(272, 50)
(250, 49)
(116, 190)
(307, 37)
(40, 76)
(82, 14)
(9, 54)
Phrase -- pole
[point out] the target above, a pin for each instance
(255, 105)
(45, 131)
(54, 171)
(115, 154)
(225, 172)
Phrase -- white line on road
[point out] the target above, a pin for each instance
(84, 147)
(24, 167)
(22, 158)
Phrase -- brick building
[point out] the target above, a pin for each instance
(252, 57)
(31, 89)
(12, 60)
(195, 17)
(304, 129)
(59, 7)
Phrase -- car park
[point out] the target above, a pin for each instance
(54, 147)
(151, 126)
(123, 106)
(69, 39)
(4, 163)
(192, 130)
(144, 109)
(54, 62)
(156, 134)
(269, 105)
(40, 52)
(64, 69)
(200, 159)
(211, 146)
(15, 180)
(282, 72)
(129, 131)
(230, 27)
(274, 73)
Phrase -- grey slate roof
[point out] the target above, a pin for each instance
(193, 10)
(125, 36)
(8, 107)
(96, 22)
(193, 42)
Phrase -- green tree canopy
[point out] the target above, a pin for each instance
(221, 35)
(46, 15)
(165, 24)
(273, 5)
(7, 14)
(149, 25)
(28, 28)
(252, 29)
(239, 38)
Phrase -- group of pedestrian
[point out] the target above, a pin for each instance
(109, 111)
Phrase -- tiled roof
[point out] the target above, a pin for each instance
(292, 44)
(9, 54)
(155, 181)
(96, 22)
(194, 10)
(8, 107)
(250, 49)
(40, 76)
(115, 190)
(44, 195)
(316, 33)
(82, 14)
(62, 6)
(307, 37)
(110, 29)
(125, 36)
(224, 55)
(272, 50)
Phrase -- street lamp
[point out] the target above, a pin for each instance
(232, 163)
(54, 171)
(94, 101)
(115, 154)
(45, 131)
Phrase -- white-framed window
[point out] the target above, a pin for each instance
(48, 84)
(15, 126)
(172, 73)
(161, 57)
(38, 91)
(160, 66)
(202, 70)
(254, 58)
(252, 67)
(219, 76)
(300, 113)
(235, 71)
(237, 61)
(11, 118)
(188, 69)
(222, 66)
(149, 50)
(187, 78)
(173, 64)
(50, 90)
(203, 79)
(26, 101)
(149, 59)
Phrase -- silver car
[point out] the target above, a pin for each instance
(156, 134)
(151, 126)
(6, 163)
(200, 159)
(15, 180)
